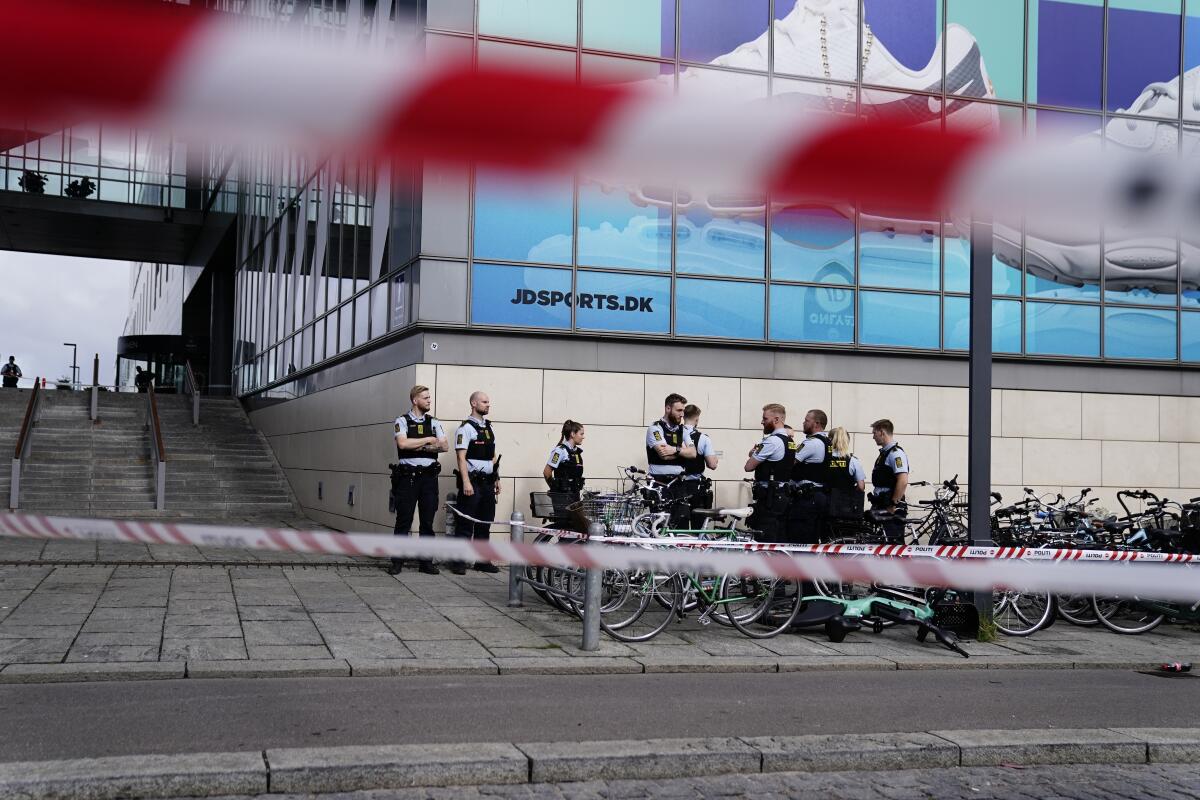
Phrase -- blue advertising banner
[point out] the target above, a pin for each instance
(812, 313)
(538, 297)
(719, 308)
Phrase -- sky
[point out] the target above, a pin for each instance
(48, 300)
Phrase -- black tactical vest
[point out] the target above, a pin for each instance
(882, 476)
(673, 438)
(693, 466)
(483, 446)
(780, 470)
(416, 430)
(568, 474)
(815, 471)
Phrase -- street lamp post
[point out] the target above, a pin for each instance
(74, 363)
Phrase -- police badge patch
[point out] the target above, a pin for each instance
(397, 427)
(462, 438)
(899, 462)
(554, 458)
(657, 435)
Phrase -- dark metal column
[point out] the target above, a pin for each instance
(979, 458)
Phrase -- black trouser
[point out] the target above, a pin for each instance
(807, 517)
(700, 492)
(414, 491)
(481, 505)
(770, 515)
(10, 383)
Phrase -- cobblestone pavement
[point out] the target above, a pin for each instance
(339, 609)
(1157, 781)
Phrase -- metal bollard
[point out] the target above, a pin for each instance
(591, 597)
(516, 525)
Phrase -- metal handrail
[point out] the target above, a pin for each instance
(94, 400)
(158, 451)
(33, 413)
(190, 388)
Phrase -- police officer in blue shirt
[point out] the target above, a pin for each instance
(699, 487)
(807, 520)
(564, 468)
(419, 438)
(667, 452)
(771, 462)
(889, 480)
(478, 478)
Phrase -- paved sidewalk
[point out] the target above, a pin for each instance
(341, 616)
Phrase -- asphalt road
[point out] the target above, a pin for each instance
(47, 721)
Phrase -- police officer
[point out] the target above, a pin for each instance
(889, 480)
(564, 468)
(771, 461)
(419, 438)
(846, 480)
(807, 518)
(478, 478)
(699, 487)
(10, 373)
(667, 451)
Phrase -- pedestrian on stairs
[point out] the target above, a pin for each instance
(10, 373)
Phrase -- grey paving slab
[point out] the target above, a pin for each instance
(37, 631)
(82, 673)
(202, 649)
(347, 769)
(375, 668)
(628, 759)
(223, 618)
(300, 632)
(1052, 746)
(1165, 745)
(268, 669)
(172, 631)
(112, 638)
(194, 775)
(19, 651)
(113, 652)
(428, 631)
(275, 652)
(368, 648)
(454, 648)
(251, 613)
(567, 665)
(542, 651)
(825, 753)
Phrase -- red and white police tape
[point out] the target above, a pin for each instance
(1165, 581)
(244, 80)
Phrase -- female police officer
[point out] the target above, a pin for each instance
(564, 468)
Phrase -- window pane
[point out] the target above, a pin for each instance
(1006, 324)
(998, 26)
(618, 302)
(362, 318)
(523, 220)
(525, 296)
(1138, 333)
(1143, 48)
(400, 304)
(957, 267)
(452, 15)
(812, 313)
(346, 334)
(617, 231)
(1065, 53)
(719, 308)
(710, 29)
(642, 27)
(798, 40)
(908, 33)
(537, 20)
(898, 320)
(379, 309)
(1060, 329)
(898, 253)
(1190, 336)
(712, 245)
(814, 244)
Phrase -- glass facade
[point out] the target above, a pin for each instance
(334, 257)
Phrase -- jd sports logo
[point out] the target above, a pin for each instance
(600, 302)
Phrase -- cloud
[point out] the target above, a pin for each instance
(47, 300)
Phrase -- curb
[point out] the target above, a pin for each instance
(345, 769)
(544, 665)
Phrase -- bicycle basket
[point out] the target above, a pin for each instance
(959, 617)
(612, 510)
(551, 505)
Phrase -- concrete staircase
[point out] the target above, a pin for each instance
(12, 413)
(221, 469)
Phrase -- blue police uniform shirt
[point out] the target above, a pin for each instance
(432, 428)
(561, 452)
(463, 438)
(897, 461)
(655, 437)
(771, 448)
(856, 468)
(811, 451)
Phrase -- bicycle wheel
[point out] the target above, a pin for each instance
(1125, 615)
(1021, 613)
(1077, 609)
(648, 602)
(760, 607)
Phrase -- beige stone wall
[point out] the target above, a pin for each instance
(1053, 441)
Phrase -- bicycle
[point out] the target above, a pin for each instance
(841, 616)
